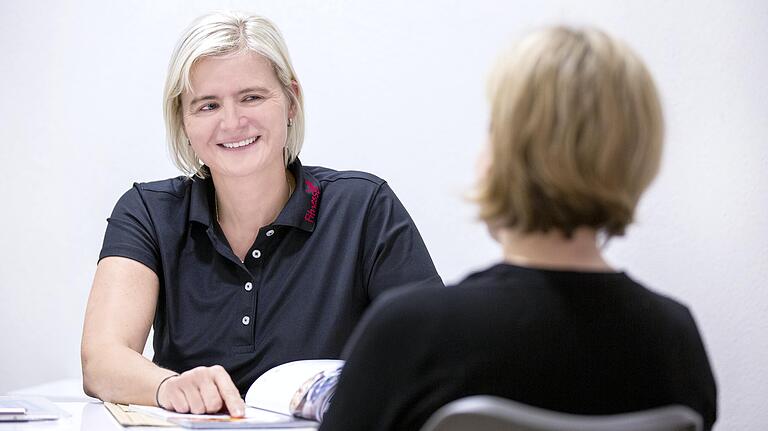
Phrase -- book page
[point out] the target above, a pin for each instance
(275, 389)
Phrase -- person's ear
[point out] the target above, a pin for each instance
(483, 162)
(495, 230)
(296, 93)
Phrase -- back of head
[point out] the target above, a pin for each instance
(576, 134)
(224, 33)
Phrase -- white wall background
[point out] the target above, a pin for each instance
(395, 88)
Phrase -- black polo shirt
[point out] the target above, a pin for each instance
(342, 239)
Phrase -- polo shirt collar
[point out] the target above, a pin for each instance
(301, 210)
(200, 207)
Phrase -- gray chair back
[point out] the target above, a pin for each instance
(487, 413)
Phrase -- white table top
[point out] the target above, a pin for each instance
(85, 416)
(86, 413)
(59, 390)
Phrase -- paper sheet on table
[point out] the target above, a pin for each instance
(127, 416)
(254, 418)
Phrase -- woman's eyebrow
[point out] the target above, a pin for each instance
(252, 90)
(200, 99)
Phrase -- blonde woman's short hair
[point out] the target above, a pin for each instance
(223, 33)
(575, 137)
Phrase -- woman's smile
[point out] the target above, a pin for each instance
(239, 145)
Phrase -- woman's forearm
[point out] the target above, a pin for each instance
(119, 374)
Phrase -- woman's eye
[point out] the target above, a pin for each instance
(209, 107)
(251, 98)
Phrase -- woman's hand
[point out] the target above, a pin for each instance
(201, 390)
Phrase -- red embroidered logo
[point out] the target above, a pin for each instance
(311, 213)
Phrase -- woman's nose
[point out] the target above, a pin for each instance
(231, 118)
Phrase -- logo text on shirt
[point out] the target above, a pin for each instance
(311, 213)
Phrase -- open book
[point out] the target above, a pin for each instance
(299, 389)
(307, 386)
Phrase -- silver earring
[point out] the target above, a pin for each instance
(290, 122)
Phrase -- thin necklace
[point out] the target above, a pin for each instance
(216, 197)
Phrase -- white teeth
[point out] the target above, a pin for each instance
(242, 143)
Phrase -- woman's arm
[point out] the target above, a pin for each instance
(120, 311)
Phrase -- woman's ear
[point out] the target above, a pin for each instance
(496, 231)
(296, 93)
(483, 161)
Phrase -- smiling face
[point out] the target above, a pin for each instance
(237, 114)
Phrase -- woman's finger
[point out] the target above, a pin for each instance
(228, 391)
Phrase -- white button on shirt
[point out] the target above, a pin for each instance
(270, 232)
(248, 286)
(246, 320)
(256, 254)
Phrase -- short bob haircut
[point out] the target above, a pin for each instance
(575, 136)
(217, 34)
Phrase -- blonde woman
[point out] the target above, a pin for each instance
(251, 259)
(575, 139)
